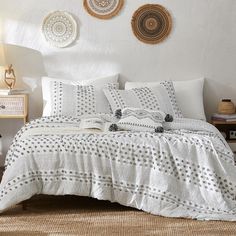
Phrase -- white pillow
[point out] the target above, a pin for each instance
(159, 97)
(189, 95)
(98, 84)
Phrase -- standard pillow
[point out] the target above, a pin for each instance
(189, 95)
(98, 84)
(159, 97)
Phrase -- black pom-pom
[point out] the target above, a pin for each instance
(169, 118)
(118, 113)
(159, 130)
(113, 127)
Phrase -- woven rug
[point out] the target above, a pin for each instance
(85, 216)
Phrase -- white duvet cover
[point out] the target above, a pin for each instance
(187, 171)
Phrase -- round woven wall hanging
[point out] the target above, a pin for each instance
(103, 9)
(151, 23)
(59, 29)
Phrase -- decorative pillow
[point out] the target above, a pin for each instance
(189, 95)
(136, 119)
(77, 100)
(159, 97)
(98, 84)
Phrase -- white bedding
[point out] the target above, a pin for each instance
(187, 171)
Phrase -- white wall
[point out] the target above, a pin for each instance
(202, 43)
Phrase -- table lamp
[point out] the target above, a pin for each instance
(2, 56)
(9, 75)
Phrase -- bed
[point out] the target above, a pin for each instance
(186, 171)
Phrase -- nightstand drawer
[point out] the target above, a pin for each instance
(226, 127)
(12, 105)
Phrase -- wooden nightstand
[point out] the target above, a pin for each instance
(14, 107)
(225, 127)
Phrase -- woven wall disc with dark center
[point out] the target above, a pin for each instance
(103, 9)
(151, 23)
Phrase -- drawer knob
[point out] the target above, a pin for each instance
(2, 107)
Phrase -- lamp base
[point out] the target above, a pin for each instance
(10, 78)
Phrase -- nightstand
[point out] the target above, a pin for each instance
(227, 128)
(14, 107)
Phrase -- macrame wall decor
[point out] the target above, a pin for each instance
(103, 9)
(59, 29)
(151, 23)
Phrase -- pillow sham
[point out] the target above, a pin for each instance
(78, 100)
(189, 95)
(98, 84)
(159, 97)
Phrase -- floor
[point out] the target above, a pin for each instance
(71, 215)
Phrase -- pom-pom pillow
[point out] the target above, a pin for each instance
(136, 119)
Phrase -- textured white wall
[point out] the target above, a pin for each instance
(202, 43)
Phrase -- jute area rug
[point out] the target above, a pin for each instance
(84, 216)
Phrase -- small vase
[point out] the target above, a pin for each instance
(226, 107)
